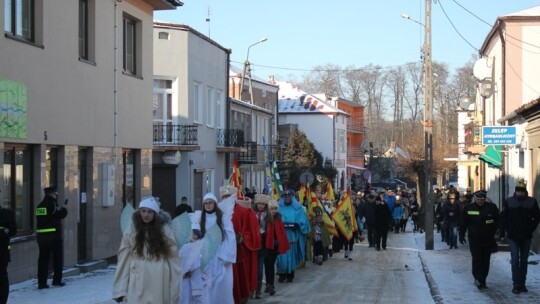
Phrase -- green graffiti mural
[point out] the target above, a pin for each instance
(13, 109)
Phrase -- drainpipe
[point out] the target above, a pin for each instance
(503, 179)
(334, 146)
(227, 111)
(115, 84)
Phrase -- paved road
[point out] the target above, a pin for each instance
(404, 273)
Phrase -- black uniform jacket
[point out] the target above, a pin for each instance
(481, 222)
(8, 228)
(49, 218)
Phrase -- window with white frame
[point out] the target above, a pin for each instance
(131, 45)
(219, 106)
(198, 103)
(19, 19)
(341, 141)
(210, 107)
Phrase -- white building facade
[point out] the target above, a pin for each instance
(191, 74)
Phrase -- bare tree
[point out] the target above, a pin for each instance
(324, 79)
(397, 84)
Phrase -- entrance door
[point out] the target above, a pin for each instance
(164, 186)
(197, 190)
(81, 225)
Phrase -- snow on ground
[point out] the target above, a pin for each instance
(447, 271)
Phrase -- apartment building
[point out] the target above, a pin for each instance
(76, 91)
(191, 74)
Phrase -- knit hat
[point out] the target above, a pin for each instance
(209, 197)
(150, 203)
(521, 185)
(262, 199)
(227, 190)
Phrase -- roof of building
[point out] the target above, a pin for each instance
(250, 106)
(187, 28)
(523, 15)
(292, 99)
(533, 11)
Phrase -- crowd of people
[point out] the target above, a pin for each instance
(238, 244)
(256, 240)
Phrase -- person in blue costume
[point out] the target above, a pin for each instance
(297, 227)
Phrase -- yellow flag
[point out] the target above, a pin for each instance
(302, 193)
(330, 192)
(314, 202)
(344, 217)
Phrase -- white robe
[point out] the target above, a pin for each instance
(218, 275)
(142, 281)
(190, 274)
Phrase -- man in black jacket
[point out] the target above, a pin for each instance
(520, 217)
(49, 217)
(8, 228)
(480, 219)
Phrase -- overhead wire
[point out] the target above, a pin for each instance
(482, 20)
(455, 28)
(329, 70)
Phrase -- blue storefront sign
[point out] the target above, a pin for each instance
(499, 135)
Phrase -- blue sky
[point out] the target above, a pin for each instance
(302, 34)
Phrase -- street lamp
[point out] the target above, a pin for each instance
(405, 16)
(247, 71)
(428, 125)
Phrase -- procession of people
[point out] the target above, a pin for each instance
(246, 242)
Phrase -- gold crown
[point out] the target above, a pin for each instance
(521, 183)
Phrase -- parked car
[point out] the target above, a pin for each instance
(390, 183)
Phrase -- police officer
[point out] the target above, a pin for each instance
(8, 228)
(49, 215)
(480, 219)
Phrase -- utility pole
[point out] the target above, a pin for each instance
(428, 130)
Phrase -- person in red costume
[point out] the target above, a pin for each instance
(273, 242)
(248, 242)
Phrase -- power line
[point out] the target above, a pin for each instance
(457, 31)
(473, 14)
(510, 36)
(329, 70)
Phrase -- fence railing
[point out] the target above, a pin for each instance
(175, 135)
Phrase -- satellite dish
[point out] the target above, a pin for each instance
(482, 68)
(307, 178)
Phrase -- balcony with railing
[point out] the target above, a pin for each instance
(277, 153)
(230, 140)
(175, 137)
(354, 153)
(250, 154)
(355, 126)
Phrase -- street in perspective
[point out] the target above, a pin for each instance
(403, 273)
(234, 152)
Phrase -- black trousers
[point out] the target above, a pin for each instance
(370, 234)
(49, 245)
(4, 281)
(481, 255)
(266, 261)
(380, 237)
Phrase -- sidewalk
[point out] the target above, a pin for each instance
(449, 274)
(404, 273)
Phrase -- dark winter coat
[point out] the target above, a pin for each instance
(520, 217)
(8, 228)
(382, 216)
(369, 212)
(451, 214)
(480, 222)
(49, 219)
